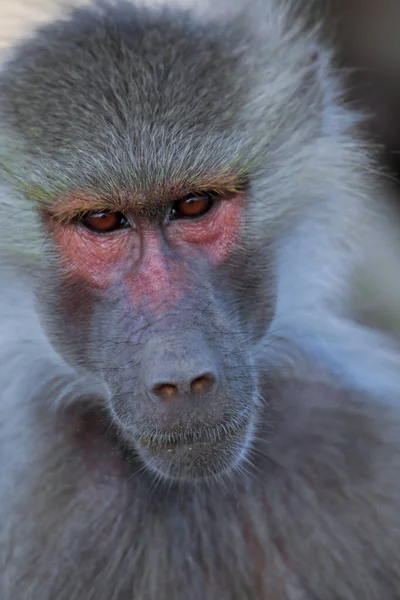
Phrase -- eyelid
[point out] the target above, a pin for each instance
(209, 196)
(121, 223)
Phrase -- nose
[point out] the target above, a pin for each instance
(178, 368)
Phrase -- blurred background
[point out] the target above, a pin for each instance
(16, 17)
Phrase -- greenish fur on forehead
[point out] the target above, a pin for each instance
(144, 183)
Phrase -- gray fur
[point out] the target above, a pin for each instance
(121, 97)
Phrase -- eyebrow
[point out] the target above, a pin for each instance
(147, 203)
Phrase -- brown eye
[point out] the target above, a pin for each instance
(192, 207)
(104, 222)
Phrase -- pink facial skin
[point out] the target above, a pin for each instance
(151, 261)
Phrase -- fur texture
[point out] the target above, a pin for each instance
(121, 97)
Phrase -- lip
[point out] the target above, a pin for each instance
(159, 440)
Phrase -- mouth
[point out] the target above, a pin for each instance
(199, 453)
(216, 433)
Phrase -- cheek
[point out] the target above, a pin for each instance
(102, 468)
(93, 260)
(215, 236)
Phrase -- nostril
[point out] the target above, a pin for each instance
(171, 391)
(202, 384)
(166, 391)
